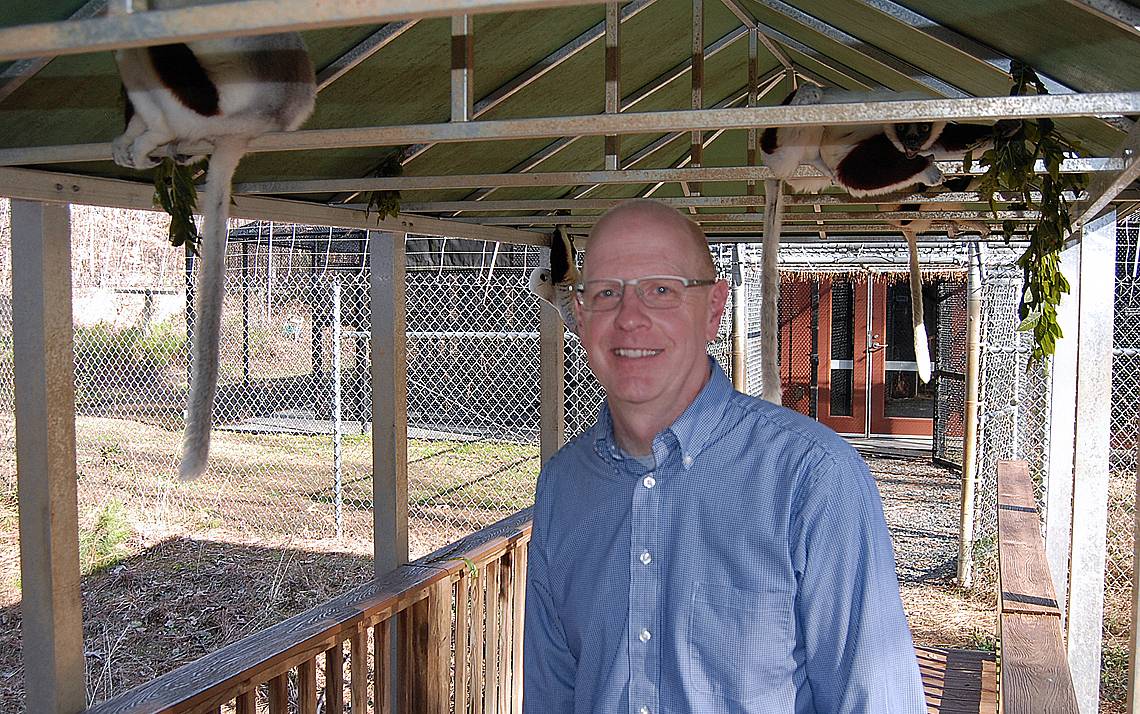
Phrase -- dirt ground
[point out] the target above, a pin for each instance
(172, 589)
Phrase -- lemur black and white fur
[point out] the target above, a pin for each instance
(224, 93)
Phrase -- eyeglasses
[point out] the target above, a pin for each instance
(655, 291)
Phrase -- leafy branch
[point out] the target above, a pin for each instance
(385, 203)
(1010, 169)
(175, 193)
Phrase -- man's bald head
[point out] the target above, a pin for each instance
(676, 231)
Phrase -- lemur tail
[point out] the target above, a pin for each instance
(215, 209)
(921, 348)
(770, 290)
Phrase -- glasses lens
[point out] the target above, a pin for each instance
(601, 294)
(660, 292)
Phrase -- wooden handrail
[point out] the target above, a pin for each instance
(1034, 674)
(421, 596)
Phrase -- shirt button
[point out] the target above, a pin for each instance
(687, 461)
(643, 710)
(649, 482)
(644, 635)
(646, 558)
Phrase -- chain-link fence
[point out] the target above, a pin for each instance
(950, 374)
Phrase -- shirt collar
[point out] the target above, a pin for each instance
(692, 429)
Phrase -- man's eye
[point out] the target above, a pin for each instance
(662, 289)
(605, 294)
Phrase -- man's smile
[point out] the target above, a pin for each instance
(631, 353)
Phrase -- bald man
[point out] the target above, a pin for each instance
(699, 550)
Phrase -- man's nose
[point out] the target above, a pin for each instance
(632, 312)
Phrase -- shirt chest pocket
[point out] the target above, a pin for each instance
(740, 642)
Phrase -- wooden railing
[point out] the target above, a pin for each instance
(1034, 673)
(461, 606)
(459, 614)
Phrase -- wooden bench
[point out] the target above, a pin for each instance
(1034, 671)
(958, 681)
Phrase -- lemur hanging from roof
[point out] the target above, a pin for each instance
(222, 92)
(864, 160)
(556, 284)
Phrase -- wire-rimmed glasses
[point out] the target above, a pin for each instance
(655, 291)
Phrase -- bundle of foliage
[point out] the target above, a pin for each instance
(1011, 169)
(175, 193)
(386, 203)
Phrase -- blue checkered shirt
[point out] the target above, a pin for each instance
(749, 571)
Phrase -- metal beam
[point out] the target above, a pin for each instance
(860, 80)
(17, 73)
(577, 178)
(613, 81)
(1069, 105)
(362, 51)
(1103, 188)
(969, 48)
(45, 458)
(462, 65)
(884, 59)
(67, 188)
(749, 21)
(230, 19)
(680, 70)
(536, 71)
(1121, 14)
(696, 146)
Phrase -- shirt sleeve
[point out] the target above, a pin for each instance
(859, 655)
(549, 668)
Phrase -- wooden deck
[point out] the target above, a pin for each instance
(958, 681)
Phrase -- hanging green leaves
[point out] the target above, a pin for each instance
(175, 193)
(1010, 169)
(385, 203)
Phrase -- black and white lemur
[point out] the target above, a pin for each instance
(864, 160)
(556, 284)
(225, 93)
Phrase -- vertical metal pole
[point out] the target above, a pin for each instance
(970, 440)
(191, 308)
(867, 372)
(814, 406)
(462, 64)
(245, 311)
(552, 382)
(1095, 312)
(753, 98)
(613, 80)
(45, 458)
(1133, 643)
(389, 400)
(338, 485)
(696, 144)
(739, 324)
(1062, 428)
(387, 294)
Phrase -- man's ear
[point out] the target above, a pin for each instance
(718, 296)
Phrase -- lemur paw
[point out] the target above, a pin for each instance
(126, 153)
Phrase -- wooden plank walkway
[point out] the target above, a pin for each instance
(958, 681)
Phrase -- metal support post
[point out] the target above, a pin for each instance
(613, 81)
(389, 400)
(45, 458)
(552, 382)
(739, 324)
(1062, 427)
(970, 440)
(1095, 311)
(337, 394)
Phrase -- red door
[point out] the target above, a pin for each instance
(843, 354)
(868, 379)
(900, 402)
